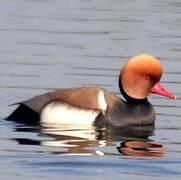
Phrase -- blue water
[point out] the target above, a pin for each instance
(57, 44)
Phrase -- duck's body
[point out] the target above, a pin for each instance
(50, 108)
(95, 106)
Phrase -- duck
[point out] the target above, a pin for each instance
(90, 105)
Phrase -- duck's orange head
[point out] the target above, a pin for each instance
(140, 76)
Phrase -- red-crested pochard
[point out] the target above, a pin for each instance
(138, 78)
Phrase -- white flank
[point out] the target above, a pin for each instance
(102, 101)
(66, 114)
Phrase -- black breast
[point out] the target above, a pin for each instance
(121, 114)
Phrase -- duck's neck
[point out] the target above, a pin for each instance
(129, 99)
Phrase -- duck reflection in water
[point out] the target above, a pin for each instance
(141, 148)
(134, 140)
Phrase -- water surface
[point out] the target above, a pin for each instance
(51, 44)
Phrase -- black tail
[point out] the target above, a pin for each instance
(24, 114)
